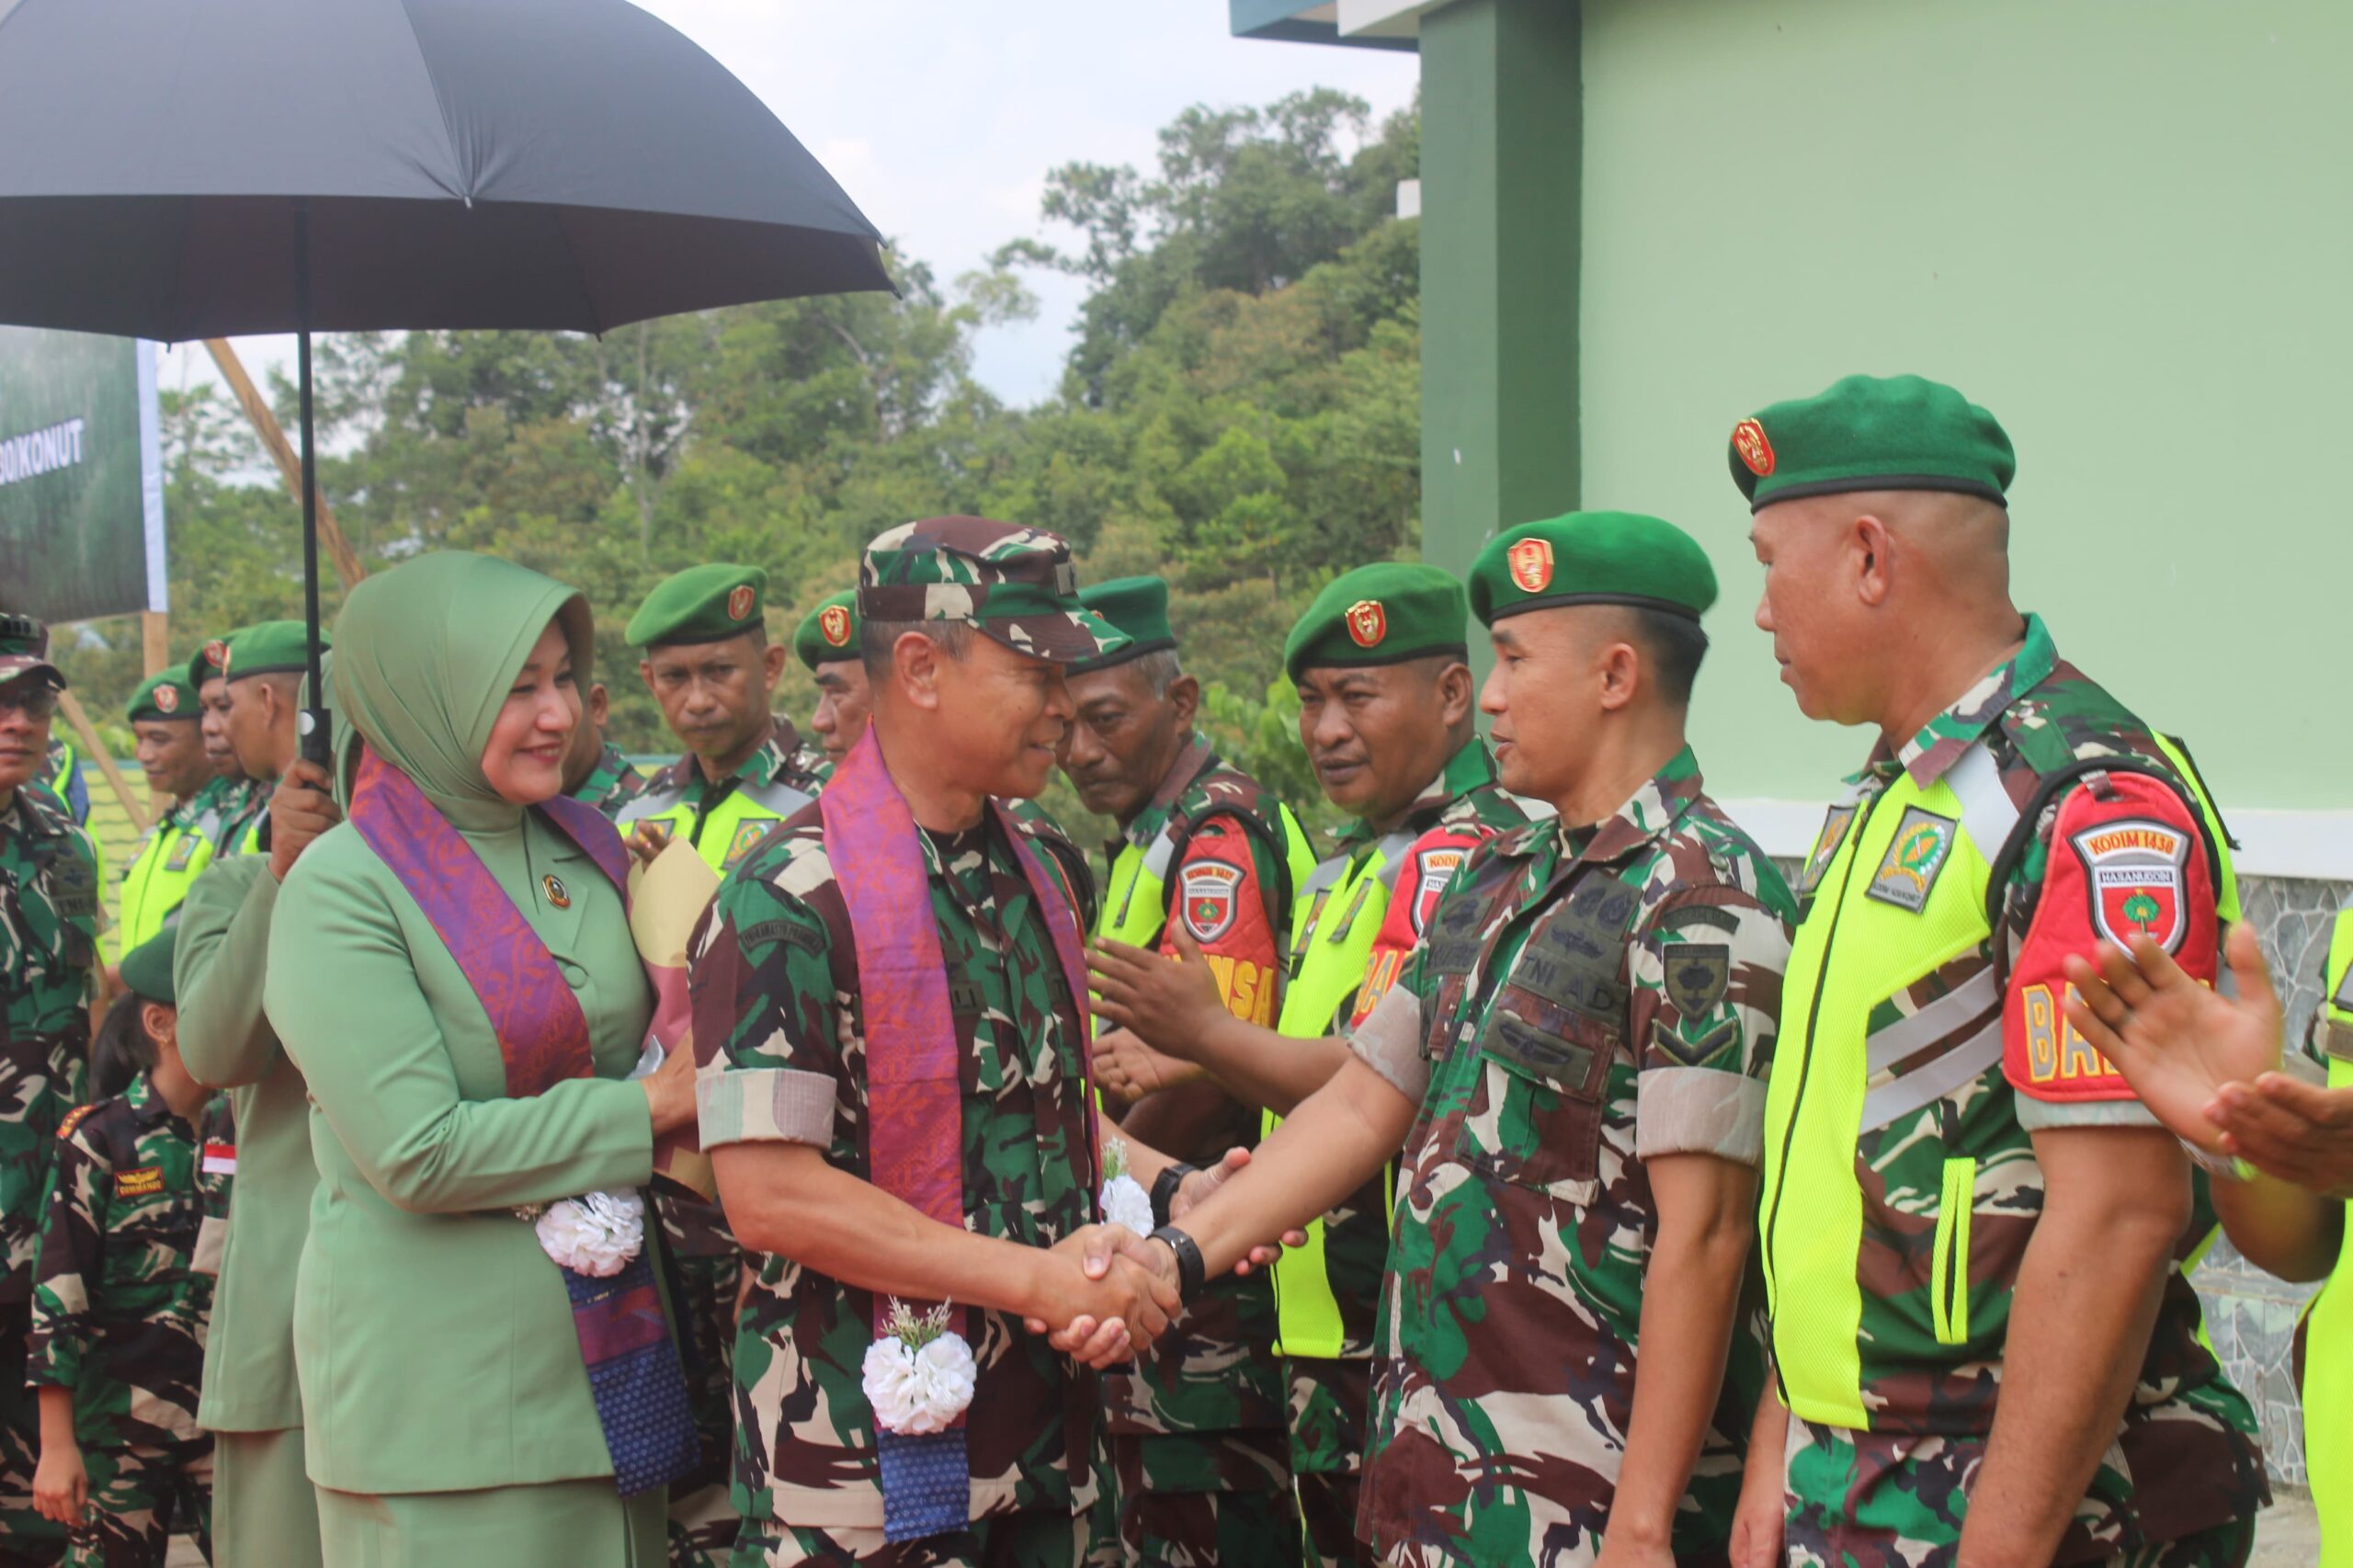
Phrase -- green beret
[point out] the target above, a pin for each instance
(166, 695)
(701, 604)
(828, 635)
(1592, 558)
(208, 661)
(1383, 614)
(1014, 584)
(1138, 607)
(1871, 433)
(147, 968)
(268, 647)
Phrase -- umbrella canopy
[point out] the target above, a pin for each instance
(519, 164)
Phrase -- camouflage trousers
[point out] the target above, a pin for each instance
(1039, 1539)
(1329, 1401)
(140, 1497)
(703, 1286)
(1868, 1500)
(1194, 1500)
(25, 1537)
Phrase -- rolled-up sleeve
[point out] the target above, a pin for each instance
(1706, 975)
(1389, 1040)
(766, 1024)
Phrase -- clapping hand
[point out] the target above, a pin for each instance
(1127, 1069)
(1169, 1003)
(2208, 1065)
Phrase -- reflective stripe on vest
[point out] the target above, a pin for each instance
(2328, 1332)
(728, 831)
(153, 887)
(1337, 914)
(1135, 901)
(1836, 1078)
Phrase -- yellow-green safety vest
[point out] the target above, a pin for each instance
(1850, 954)
(2328, 1331)
(726, 831)
(1335, 914)
(1135, 901)
(169, 860)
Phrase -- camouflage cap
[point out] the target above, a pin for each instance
(147, 968)
(702, 604)
(268, 647)
(828, 635)
(1015, 584)
(163, 695)
(24, 648)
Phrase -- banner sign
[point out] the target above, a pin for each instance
(81, 476)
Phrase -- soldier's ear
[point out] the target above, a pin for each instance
(1184, 697)
(914, 666)
(771, 664)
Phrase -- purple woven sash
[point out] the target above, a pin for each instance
(633, 1372)
(914, 1111)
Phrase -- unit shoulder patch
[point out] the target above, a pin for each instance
(1697, 975)
(2133, 873)
(1208, 893)
(1914, 858)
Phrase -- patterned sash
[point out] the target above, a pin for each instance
(915, 1072)
(625, 1341)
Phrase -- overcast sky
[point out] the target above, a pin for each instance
(942, 119)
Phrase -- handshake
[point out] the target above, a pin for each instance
(1104, 1293)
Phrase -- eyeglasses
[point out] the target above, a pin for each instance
(37, 698)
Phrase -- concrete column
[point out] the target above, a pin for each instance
(1501, 157)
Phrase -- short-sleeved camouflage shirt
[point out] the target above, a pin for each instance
(50, 918)
(119, 1307)
(782, 1054)
(612, 784)
(1582, 1000)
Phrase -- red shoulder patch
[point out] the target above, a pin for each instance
(2128, 863)
(73, 1118)
(1223, 908)
(1428, 865)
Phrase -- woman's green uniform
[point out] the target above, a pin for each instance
(446, 1407)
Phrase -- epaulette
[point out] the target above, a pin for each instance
(74, 1119)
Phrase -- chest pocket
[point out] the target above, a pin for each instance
(1545, 1050)
(69, 884)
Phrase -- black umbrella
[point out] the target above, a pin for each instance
(177, 169)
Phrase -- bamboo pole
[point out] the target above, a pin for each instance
(71, 706)
(155, 639)
(290, 462)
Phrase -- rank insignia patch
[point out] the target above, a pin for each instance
(1207, 898)
(2135, 871)
(1922, 845)
(1367, 623)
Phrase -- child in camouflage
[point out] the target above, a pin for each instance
(117, 1350)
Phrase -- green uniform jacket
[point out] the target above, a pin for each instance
(218, 964)
(433, 1336)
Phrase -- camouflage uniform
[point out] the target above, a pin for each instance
(1582, 1001)
(1329, 1398)
(119, 1317)
(1196, 1431)
(783, 760)
(776, 1022)
(2184, 1472)
(613, 784)
(48, 926)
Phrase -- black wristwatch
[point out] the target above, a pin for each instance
(1163, 1189)
(1191, 1272)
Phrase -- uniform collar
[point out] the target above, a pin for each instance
(1194, 760)
(610, 765)
(1471, 767)
(147, 1104)
(1663, 801)
(1943, 739)
(758, 770)
(36, 811)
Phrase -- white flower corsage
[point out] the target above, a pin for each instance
(919, 1375)
(1124, 1200)
(595, 1235)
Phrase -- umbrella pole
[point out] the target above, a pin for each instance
(315, 717)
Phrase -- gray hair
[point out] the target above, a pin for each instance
(877, 638)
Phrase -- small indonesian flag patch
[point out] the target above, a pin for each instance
(1210, 897)
(220, 1159)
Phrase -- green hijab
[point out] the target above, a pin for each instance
(424, 656)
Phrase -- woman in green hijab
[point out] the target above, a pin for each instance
(487, 1374)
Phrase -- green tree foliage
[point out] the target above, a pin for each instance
(1240, 411)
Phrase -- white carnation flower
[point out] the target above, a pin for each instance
(1125, 1202)
(918, 1379)
(595, 1235)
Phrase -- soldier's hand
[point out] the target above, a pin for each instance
(1619, 1552)
(1169, 1003)
(2292, 1131)
(1127, 1070)
(301, 807)
(1200, 1184)
(1101, 1285)
(648, 839)
(670, 1092)
(60, 1485)
(2177, 1041)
